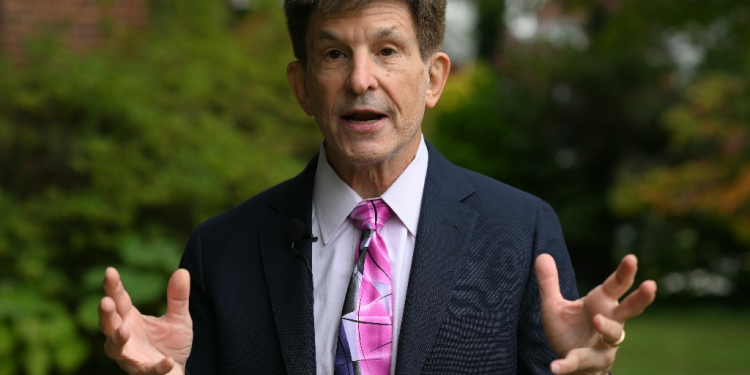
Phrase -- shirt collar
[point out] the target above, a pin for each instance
(333, 199)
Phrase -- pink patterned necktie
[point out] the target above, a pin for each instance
(366, 329)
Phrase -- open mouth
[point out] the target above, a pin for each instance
(363, 117)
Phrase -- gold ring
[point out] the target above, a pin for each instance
(613, 344)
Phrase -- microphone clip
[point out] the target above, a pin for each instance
(295, 232)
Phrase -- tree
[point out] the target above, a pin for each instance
(702, 182)
(564, 109)
(112, 157)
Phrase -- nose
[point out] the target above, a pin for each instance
(362, 76)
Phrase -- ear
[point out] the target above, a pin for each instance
(295, 73)
(440, 66)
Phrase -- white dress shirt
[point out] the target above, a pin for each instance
(333, 254)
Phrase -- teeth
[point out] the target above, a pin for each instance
(363, 119)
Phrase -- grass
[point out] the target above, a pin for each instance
(686, 341)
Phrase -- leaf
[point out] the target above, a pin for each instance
(6, 341)
(7, 365)
(71, 356)
(36, 360)
(144, 286)
(160, 253)
(87, 313)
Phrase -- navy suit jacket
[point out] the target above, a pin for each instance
(472, 304)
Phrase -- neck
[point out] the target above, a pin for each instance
(372, 180)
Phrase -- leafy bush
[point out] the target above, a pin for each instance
(111, 158)
(636, 137)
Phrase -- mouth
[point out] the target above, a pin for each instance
(363, 117)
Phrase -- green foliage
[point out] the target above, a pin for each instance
(687, 205)
(562, 121)
(112, 157)
(704, 187)
(708, 134)
(490, 18)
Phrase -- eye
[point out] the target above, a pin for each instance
(387, 52)
(333, 54)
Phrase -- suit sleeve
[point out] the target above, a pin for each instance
(204, 353)
(534, 354)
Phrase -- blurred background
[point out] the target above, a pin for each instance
(125, 123)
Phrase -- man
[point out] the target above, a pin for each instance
(263, 284)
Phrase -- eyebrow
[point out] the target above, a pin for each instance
(324, 36)
(384, 33)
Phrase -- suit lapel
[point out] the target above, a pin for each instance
(289, 281)
(445, 229)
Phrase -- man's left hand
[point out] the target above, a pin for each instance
(586, 333)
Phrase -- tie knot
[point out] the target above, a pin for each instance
(371, 214)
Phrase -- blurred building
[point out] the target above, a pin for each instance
(82, 24)
(460, 32)
(530, 21)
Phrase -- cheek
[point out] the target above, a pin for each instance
(319, 87)
(416, 104)
(415, 98)
(320, 102)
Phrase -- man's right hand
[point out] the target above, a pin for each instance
(145, 344)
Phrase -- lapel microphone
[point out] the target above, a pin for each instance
(295, 232)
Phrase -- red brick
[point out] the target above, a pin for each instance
(80, 20)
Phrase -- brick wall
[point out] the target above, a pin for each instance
(83, 24)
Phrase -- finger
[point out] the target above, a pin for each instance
(178, 294)
(115, 343)
(115, 290)
(109, 319)
(584, 359)
(611, 330)
(622, 279)
(164, 366)
(546, 276)
(634, 304)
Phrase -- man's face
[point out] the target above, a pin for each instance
(365, 82)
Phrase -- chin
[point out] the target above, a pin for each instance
(373, 149)
(367, 158)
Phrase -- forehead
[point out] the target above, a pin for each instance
(381, 18)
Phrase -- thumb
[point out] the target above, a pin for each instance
(178, 294)
(546, 276)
